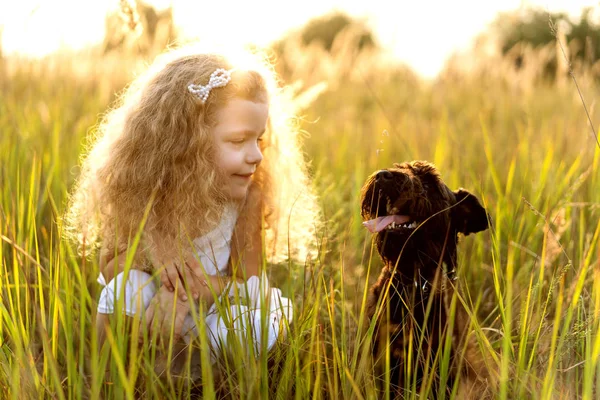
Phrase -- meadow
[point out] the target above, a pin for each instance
(532, 281)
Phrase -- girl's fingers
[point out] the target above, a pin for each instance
(158, 325)
(174, 278)
(197, 275)
(167, 330)
(178, 325)
(168, 334)
(179, 280)
(196, 268)
(173, 273)
(192, 284)
(166, 281)
(149, 314)
(190, 273)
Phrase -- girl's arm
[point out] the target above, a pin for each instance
(173, 266)
(111, 265)
(245, 261)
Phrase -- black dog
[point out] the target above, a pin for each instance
(417, 219)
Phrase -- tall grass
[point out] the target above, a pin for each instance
(532, 282)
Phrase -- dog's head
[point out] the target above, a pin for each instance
(415, 214)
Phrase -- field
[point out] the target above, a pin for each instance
(533, 281)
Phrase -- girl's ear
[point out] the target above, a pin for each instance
(468, 215)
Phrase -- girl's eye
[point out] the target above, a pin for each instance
(237, 141)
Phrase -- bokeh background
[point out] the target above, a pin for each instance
(500, 95)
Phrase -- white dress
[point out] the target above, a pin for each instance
(214, 250)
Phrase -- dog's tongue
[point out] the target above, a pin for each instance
(379, 224)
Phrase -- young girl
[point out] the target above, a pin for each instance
(201, 156)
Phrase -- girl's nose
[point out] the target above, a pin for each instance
(254, 156)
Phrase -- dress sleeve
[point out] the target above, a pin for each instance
(138, 290)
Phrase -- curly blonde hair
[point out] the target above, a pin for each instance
(151, 159)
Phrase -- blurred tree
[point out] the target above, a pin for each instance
(538, 29)
(586, 33)
(529, 26)
(325, 29)
(325, 45)
(138, 27)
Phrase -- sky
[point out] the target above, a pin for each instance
(39, 27)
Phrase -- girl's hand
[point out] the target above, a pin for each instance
(211, 287)
(186, 273)
(164, 316)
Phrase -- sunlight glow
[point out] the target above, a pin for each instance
(37, 28)
(423, 34)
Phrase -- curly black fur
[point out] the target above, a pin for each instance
(411, 300)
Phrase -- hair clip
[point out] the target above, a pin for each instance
(219, 78)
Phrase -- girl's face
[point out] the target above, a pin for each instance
(241, 124)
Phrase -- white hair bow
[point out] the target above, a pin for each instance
(219, 78)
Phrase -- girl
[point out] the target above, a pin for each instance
(201, 157)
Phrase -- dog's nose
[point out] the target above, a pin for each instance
(384, 175)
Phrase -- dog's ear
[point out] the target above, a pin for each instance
(468, 215)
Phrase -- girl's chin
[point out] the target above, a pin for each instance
(237, 194)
